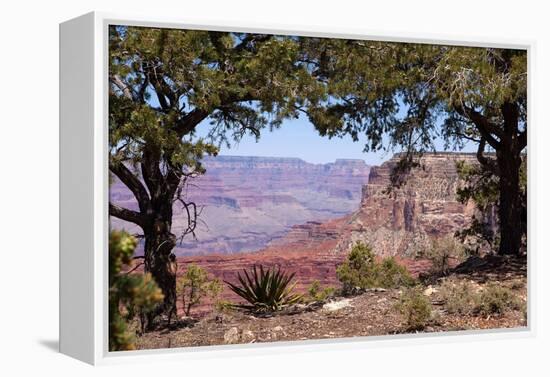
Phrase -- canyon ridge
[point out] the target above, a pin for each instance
(247, 202)
(305, 217)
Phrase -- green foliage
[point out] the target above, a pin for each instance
(317, 293)
(223, 306)
(495, 299)
(415, 308)
(393, 275)
(459, 297)
(265, 289)
(361, 270)
(463, 298)
(442, 252)
(403, 96)
(358, 270)
(194, 285)
(128, 293)
(161, 78)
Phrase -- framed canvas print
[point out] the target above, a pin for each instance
(228, 189)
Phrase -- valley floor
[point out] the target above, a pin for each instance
(370, 313)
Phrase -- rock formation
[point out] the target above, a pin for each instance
(403, 221)
(398, 222)
(249, 201)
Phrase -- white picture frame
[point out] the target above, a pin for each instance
(84, 194)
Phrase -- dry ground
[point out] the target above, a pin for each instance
(371, 313)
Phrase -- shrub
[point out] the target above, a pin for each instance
(265, 289)
(459, 298)
(495, 299)
(317, 293)
(223, 306)
(415, 308)
(442, 251)
(194, 285)
(128, 293)
(361, 270)
(393, 275)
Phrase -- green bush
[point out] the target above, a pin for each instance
(463, 298)
(194, 285)
(223, 306)
(361, 270)
(495, 299)
(265, 289)
(459, 298)
(442, 252)
(415, 308)
(128, 293)
(317, 293)
(393, 275)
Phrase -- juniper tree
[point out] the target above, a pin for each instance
(164, 84)
(408, 95)
(128, 293)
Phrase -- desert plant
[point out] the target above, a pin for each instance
(442, 252)
(223, 306)
(361, 270)
(317, 293)
(415, 308)
(391, 274)
(358, 270)
(460, 297)
(194, 285)
(265, 289)
(128, 293)
(495, 299)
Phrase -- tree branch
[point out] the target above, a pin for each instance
(127, 215)
(187, 124)
(132, 182)
(124, 88)
(487, 163)
(485, 127)
(522, 139)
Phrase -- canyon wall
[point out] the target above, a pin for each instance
(247, 202)
(400, 224)
(404, 220)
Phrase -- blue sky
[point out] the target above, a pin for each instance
(298, 138)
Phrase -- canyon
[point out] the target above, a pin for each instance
(399, 223)
(247, 202)
(304, 218)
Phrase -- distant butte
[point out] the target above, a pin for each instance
(400, 225)
(250, 201)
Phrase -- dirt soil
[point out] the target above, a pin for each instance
(370, 313)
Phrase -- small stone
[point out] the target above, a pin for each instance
(247, 336)
(429, 291)
(231, 336)
(277, 329)
(337, 305)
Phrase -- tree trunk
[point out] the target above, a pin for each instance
(161, 263)
(510, 203)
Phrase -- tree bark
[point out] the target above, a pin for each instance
(510, 202)
(160, 262)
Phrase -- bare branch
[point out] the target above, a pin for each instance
(127, 215)
(485, 127)
(132, 182)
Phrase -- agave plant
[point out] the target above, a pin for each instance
(265, 289)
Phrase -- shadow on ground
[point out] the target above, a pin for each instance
(52, 345)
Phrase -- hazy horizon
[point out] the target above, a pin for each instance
(298, 138)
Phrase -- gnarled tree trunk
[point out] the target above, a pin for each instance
(510, 202)
(160, 262)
